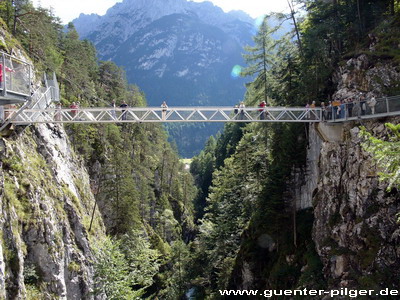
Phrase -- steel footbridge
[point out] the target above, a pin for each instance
(42, 106)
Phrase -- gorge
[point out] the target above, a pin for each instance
(109, 211)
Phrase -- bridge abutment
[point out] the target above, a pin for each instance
(330, 132)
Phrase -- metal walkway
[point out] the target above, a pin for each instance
(175, 114)
(15, 79)
(389, 106)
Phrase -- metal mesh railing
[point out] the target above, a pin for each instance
(386, 106)
(40, 100)
(15, 76)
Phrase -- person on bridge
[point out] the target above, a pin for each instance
(362, 104)
(236, 110)
(74, 109)
(241, 108)
(356, 108)
(164, 108)
(262, 106)
(57, 116)
(336, 107)
(113, 105)
(123, 105)
(1, 72)
(371, 103)
(349, 105)
(313, 106)
(329, 110)
(324, 111)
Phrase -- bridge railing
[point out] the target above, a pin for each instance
(175, 114)
(15, 76)
(389, 106)
(39, 100)
(385, 106)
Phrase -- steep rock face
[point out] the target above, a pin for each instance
(355, 228)
(45, 205)
(354, 224)
(304, 181)
(175, 51)
(362, 74)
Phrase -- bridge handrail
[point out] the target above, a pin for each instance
(35, 100)
(14, 79)
(180, 108)
(385, 106)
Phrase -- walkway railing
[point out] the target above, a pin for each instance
(387, 106)
(176, 114)
(15, 76)
(40, 100)
(40, 113)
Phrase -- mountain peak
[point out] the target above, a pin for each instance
(136, 14)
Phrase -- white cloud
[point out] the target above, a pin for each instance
(254, 8)
(69, 10)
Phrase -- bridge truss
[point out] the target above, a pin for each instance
(175, 114)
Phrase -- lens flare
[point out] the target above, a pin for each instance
(236, 70)
(257, 23)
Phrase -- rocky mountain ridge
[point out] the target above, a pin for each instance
(138, 14)
(177, 51)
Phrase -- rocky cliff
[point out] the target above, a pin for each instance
(345, 232)
(355, 227)
(45, 208)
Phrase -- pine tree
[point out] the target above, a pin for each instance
(260, 58)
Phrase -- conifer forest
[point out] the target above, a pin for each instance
(111, 211)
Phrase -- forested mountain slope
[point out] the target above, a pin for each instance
(109, 212)
(255, 233)
(88, 211)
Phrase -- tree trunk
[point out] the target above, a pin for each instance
(296, 28)
(265, 70)
(359, 18)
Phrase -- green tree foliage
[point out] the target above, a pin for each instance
(142, 190)
(386, 153)
(260, 57)
(112, 271)
(37, 30)
(79, 67)
(233, 194)
(125, 267)
(211, 159)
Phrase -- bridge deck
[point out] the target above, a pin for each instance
(389, 106)
(173, 114)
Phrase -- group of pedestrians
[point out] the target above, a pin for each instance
(75, 107)
(123, 107)
(336, 109)
(347, 108)
(239, 111)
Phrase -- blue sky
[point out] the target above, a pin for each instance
(69, 10)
